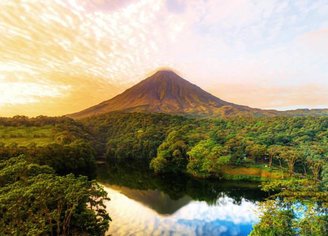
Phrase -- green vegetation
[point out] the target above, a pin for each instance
(42, 191)
(255, 173)
(299, 208)
(131, 135)
(291, 152)
(36, 201)
(25, 136)
(62, 143)
(276, 147)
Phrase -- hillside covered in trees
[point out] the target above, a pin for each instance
(263, 148)
(45, 156)
(59, 142)
(206, 147)
(45, 169)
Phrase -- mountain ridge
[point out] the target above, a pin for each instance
(167, 92)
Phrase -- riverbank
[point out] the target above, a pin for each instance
(251, 173)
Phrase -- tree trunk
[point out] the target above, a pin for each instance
(316, 171)
(304, 170)
(270, 161)
(291, 164)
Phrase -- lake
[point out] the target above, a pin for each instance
(145, 204)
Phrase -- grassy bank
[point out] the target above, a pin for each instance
(251, 173)
(25, 136)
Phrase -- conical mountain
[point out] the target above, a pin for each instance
(167, 92)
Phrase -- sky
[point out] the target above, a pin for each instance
(61, 56)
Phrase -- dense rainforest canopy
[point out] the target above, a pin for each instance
(36, 201)
(42, 190)
(59, 142)
(206, 147)
(284, 146)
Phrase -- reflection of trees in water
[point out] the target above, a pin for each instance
(135, 174)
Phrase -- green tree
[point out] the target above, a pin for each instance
(313, 223)
(159, 165)
(273, 153)
(207, 159)
(324, 177)
(315, 158)
(35, 201)
(299, 207)
(256, 151)
(290, 155)
(274, 221)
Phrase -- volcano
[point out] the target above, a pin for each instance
(167, 92)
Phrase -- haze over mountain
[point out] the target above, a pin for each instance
(167, 92)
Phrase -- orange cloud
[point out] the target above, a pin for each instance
(58, 57)
(273, 97)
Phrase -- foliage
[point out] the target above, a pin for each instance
(59, 142)
(324, 177)
(296, 146)
(172, 153)
(30, 189)
(132, 135)
(274, 222)
(206, 159)
(35, 201)
(26, 135)
(313, 223)
(40, 131)
(298, 207)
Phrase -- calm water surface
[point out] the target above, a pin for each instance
(144, 204)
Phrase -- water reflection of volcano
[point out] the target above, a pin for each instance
(154, 199)
(135, 212)
(145, 204)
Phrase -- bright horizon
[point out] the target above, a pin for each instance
(59, 57)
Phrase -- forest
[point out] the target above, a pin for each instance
(44, 158)
(288, 153)
(205, 148)
(47, 167)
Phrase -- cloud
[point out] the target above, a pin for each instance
(43, 40)
(116, 43)
(12, 93)
(196, 218)
(176, 6)
(315, 41)
(273, 97)
(106, 5)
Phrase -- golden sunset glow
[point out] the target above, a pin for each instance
(58, 57)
